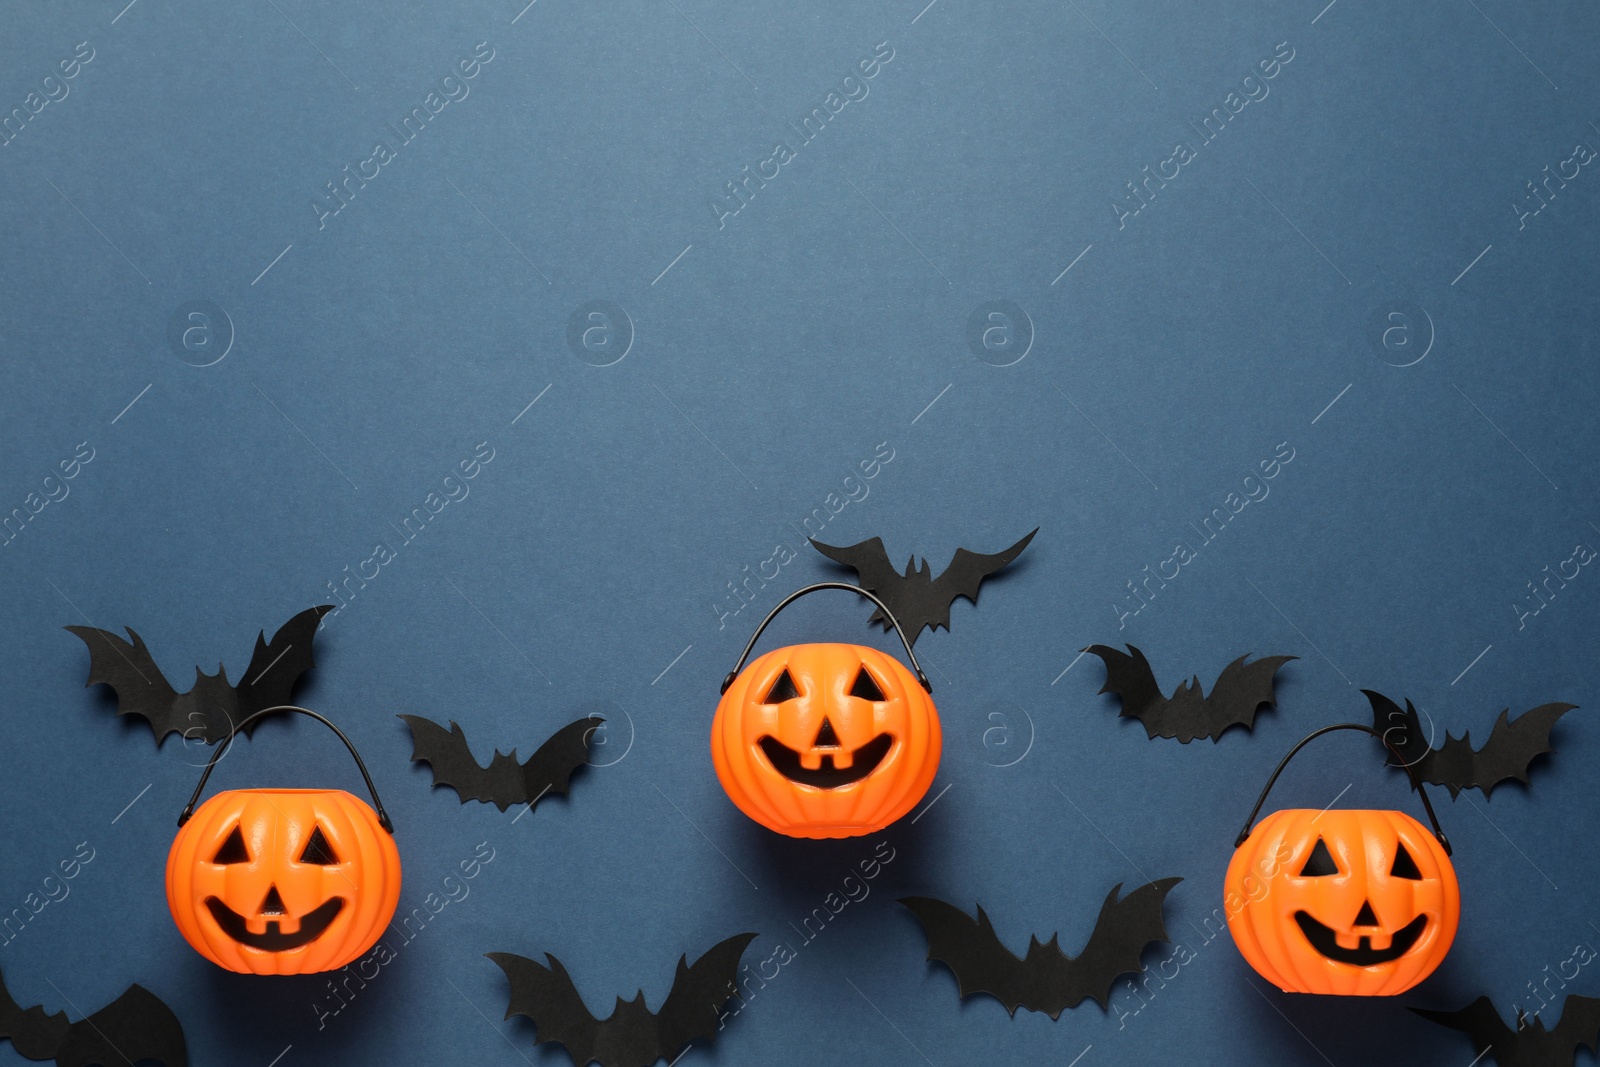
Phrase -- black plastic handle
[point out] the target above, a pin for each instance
(796, 595)
(188, 810)
(1410, 771)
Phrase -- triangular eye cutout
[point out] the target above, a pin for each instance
(866, 687)
(1320, 863)
(274, 904)
(826, 738)
(232, 850)
(318, 850)
(1404, 865)
(783, 689)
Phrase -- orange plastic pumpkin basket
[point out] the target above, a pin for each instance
(1349, 903)
(826, 740)
(283, 881)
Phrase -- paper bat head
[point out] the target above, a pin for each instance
(1351, 903)
(826, 740)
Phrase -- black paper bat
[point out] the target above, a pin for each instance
(917, 598)
(1046, 979)
(209, 709)
(632, 1036)
(1530, 1044)
(1511, 749)
(505, 781)
(1242, 689)
(134, 1027)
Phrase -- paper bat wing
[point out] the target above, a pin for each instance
(34, 1033)
(923, 603)
(549, 770)
(968, 570)
(1483, 1024)
(1402, 729)
(1122, 931)
(278, 664)
(693, 1008)
(1511, 749)
(1046, 980)
(1242, 689)
(1129, 678)
(134, 1028)
(1530, 1044)
(906, 594)
(1579, 1025)
(128, 668)
(870, 561)
(972, 950)
(547, 996)
(451, 761)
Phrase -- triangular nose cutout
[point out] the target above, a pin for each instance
(273, 905)
(826, 738)
(1365, 916)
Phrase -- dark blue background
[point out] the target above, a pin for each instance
(588, 567)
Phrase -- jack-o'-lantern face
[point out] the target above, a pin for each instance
(1354, 903)
(825, 740)
(283, 881)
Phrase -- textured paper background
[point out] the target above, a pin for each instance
(842, 313)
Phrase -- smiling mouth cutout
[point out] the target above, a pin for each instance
(312, 926)
(1326, 942)
(863, 761)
